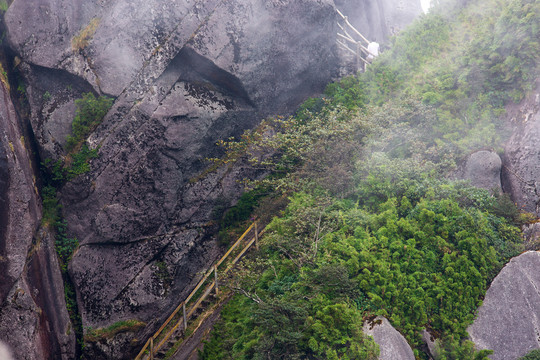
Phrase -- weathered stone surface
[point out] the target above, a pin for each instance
(531, 236)
(184, 74)
(392, 344)
(508, 321)
(521, 169)
(483, 170)
(33, 316)
(428, 339)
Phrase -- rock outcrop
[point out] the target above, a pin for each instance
(521, 168)
(183, 74)
(483, 170)
(33, 318)
(392, 344)
(508, 321)
(531, 236)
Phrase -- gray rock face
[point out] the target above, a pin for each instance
(378, 20)
(392, 344)
(531, 236)
(429, 340)
(184, 74)
(508, 321)
(33, 316)
(483, 169)
(521, 169)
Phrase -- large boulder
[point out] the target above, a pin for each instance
(521, 165)
(392, 344)
(483, 170)
(33, 317)
(508, 322)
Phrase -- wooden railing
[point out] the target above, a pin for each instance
(360, 51)
(163, 334)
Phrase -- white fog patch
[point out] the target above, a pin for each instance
(425, 5)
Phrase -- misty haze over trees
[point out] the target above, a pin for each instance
(138, 140)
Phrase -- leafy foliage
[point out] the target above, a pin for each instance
(238, 214)
(51, 207)
(75, 165)
(454, 349)
(89, 114)
(110, 331)
(52, 217)
(373, 227)
(532, 355)
(421, 263)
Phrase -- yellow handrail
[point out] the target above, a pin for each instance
(202, 298)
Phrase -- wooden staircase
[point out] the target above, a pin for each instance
(205, 294)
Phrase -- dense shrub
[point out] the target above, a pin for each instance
(533, 355)
(90, 111)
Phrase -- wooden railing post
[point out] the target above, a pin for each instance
(185, 318)
(256, 237)
(216, 279)
(152, 348)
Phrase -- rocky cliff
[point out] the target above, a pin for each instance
(521, 169)
(33, 317)
(183, 74)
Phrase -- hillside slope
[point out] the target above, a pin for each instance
(380, 221)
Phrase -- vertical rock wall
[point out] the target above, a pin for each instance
(33, 316)
(521, 168)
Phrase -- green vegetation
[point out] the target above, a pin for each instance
(46, 96)
(94, 335)
(83, 38)
(65, 247)
(21, 89)
(78, 164)
(423, 263)
(3, 6)
(374, 225)
(533, 355)
(89, 114)
(4, 77)
(52, 218)
(231, 219)
(163, 274)
(454, 349)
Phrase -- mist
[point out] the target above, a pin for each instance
(381, 194)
